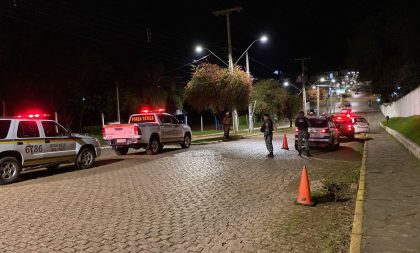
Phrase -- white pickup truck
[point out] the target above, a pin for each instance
(150, 131)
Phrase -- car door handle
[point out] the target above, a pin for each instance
(19, 143)
(47, 141)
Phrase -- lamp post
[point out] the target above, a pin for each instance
(251, 108)
(199, 49)
(317, 85)
(230, 65)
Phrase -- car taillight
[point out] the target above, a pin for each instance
(349, 127)
(296, 129)
(137, 130)
(325, 131)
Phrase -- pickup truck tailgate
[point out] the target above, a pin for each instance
(120, 131)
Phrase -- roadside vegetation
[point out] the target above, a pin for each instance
(409, 127)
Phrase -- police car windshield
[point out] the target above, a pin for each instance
(317, 123)
(4, 128)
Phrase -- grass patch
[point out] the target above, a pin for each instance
(205, 132)
(409, 127)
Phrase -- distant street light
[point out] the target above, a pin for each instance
(322, 79)
(199, 49)
(333, 80)
(286, 83)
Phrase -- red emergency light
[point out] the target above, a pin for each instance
(148, 110)
(34, 116)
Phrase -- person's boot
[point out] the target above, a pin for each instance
(307, 151)
(300, 152)
(271, 155)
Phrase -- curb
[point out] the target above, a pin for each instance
(412, 147)
(357, 228)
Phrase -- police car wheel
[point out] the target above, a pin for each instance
(187, 141)
(153, 146)
(9, 170)
(85, 158)
(121, 151)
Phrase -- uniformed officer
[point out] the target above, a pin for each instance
(226, 126)
(302, 124)
(267, 129)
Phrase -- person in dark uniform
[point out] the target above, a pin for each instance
(226, 125)
(302, 124)
(267, 129)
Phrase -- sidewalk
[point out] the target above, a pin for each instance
(391, 220)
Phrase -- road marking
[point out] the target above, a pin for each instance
(357, 230)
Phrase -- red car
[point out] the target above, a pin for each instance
(345, 124)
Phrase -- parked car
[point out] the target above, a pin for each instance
(360, 125)
(322, 133)
(344, 124)
(31, 142)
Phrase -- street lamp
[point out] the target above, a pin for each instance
(263, 39)
(322, 79)
(199, 49)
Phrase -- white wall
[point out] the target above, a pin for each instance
(406, 106)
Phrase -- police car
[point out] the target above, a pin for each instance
(148, 130)
(32, 141)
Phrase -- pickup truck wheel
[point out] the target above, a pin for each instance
(154, 146)
(85, 158)
(187, 141)
(121, 151)
(9, 170)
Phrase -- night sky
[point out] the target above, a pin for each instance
(317, 29)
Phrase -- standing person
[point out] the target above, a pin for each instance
(226, 125)
(302, 124)
(267, 129)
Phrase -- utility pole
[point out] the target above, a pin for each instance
(302, 61)
(118, 102)
(227, 13)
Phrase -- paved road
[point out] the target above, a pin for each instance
(213, 198)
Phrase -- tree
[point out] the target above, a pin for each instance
(292, 107)
(270, 97)
(217, 89)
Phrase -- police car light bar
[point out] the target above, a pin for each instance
(151, 111)
(34, 116)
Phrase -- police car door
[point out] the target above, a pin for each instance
(165, 128)
(29, 142)
(59, 146)
(177, 132)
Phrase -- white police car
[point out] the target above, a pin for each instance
(32, 142)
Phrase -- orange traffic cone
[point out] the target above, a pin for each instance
(304, 196)
(285, 145)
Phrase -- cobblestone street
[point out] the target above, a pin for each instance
(213, 198)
